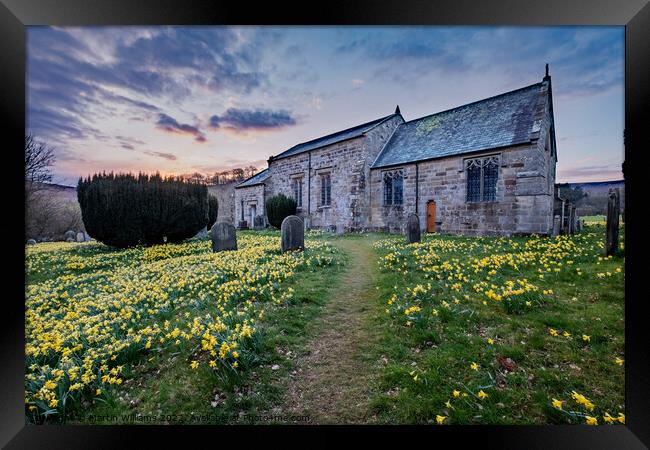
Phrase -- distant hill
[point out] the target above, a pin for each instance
(596, 201)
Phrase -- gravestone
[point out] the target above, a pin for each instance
(224, 237)
(70, 239)
(413, 228)
(80, 237)
(556, 225)
(258, 223)
(578, 225)
(31, 242)
(613, 210)
(573, 219)
(70, 235)
(293, 234)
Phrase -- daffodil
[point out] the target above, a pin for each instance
(482, 394)
(557, 403)
(440, 419)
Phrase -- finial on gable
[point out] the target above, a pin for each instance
(397, 110)
(547, 76)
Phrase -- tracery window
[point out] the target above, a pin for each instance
(482, 176)
(393, 187)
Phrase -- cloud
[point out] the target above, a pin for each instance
(78, 76)
(171, 125)
(245, 120)
(590, 173)
(584, 60)
(167, 156)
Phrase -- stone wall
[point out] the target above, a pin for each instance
(522, 204)
(249, 197)
(348, 164)
(225, 194)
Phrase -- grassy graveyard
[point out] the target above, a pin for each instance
(359, 328)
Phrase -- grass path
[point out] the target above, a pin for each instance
(331, 384)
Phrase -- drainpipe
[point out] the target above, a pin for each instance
(417, 182)
(309, 185)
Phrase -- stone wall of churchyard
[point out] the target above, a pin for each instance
(347, 163)
(523, 203)
(246, 197)
(225, 194)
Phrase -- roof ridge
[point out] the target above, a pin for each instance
(477, 101)
(378, 121)
(251, 177)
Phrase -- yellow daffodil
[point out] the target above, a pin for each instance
(440, 419)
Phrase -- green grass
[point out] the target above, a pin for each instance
(159, 386)
(407, 365)
(439, 350)
(165, 388)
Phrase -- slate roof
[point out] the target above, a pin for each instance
(333, 138)
(506, 119)
(258, 178)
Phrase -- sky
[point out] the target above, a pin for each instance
(205, 99)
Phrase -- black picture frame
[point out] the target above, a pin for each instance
(15, 15)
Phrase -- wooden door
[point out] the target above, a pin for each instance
(431, 216)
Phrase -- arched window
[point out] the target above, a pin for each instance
(482, 176)
(393, 187)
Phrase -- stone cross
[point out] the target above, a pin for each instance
(613, 210)
(413, 228)
(224, 237)
(293, 234)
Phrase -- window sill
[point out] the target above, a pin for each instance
(324, 207)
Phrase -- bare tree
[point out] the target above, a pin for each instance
(39, 159)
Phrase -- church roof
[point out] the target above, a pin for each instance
(503, 120)
(258, 178)
(333, 138)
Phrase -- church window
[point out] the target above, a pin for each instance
(325, 189)
(296, 187)
(482, 176)
(393, 187)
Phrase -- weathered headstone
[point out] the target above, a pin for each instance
(578, 225)
(224, 237)
(70, 235)
(573, 219)
(413, 228)
(293, 234)
(613, 210)
(258, 223)
(80, 237)
(31, 242)
(556, 225)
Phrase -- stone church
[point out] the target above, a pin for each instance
(484, 168)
